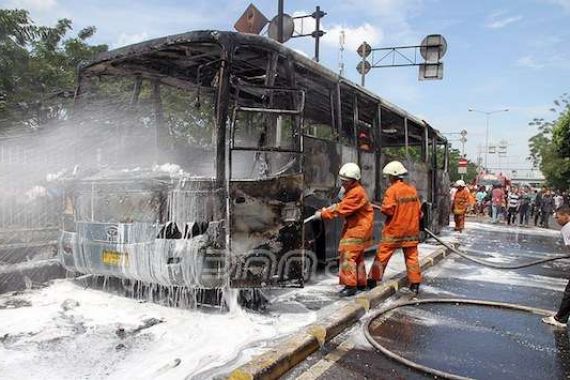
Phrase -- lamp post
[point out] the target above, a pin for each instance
(488, 114)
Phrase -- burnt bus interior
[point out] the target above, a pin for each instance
(202, 153)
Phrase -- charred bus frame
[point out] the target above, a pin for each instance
(283, 125)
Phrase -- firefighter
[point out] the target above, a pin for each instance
(356, 236)
(401, 206)
(461, 203)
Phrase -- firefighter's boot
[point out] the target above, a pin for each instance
(348, 291)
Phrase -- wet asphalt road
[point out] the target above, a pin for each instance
(472, 341)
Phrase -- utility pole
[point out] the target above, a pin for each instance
(488, 114)
(280, 12)
(318, 33)
(341, 41)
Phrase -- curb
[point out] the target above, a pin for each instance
(278, 360)
(24, 275)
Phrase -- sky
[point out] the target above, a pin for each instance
(501, 54)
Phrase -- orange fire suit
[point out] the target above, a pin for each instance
(461, 203)
(402, 207)
(356, 236)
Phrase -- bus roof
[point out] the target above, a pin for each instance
(228, 39)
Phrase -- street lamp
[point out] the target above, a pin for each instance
(487, 113)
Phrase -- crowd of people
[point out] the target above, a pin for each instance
(516, 205)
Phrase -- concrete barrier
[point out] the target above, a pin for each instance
(280, 359)
(29, 274)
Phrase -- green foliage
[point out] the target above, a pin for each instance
(400, 153)
(561, 134)
(38, 67)
(550, 147)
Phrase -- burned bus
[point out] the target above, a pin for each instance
(199, 155)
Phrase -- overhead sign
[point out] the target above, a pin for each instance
(251, 21)
(364, 50)
(430, 71)
(363, 67)
(433, 48)
(288, 28)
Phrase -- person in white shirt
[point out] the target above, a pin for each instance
(560, 319)
(558, 201)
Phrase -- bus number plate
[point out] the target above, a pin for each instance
(114, 258)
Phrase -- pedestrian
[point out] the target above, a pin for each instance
(356, 234)
(480, 197)
(560, 319)
(401, 207)
(497, 199)
(524, 208)
(546, 208)
(489, 201)
(461, 204)
(513, 205)
(558, 201)
(537, 206)
(532, 196)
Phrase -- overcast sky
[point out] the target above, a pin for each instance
(501, 54)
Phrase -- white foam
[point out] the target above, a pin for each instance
(49, 342)
(512, 229)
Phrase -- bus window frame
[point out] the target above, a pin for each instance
(294, 113)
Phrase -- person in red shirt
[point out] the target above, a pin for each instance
(401, 206)
(497, 200)
(356, 236)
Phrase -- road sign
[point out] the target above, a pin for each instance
(364, 50)
(363, 67)
(433, 48)
(430, 71)
(251, 21)
(462, 166)
(288, 28)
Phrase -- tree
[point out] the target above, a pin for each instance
(550, 147)
(454, 156)
(38, 68)
(561, 132)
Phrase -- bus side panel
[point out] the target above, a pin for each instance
(321, 165)
(443, 199)
(368, 169)
(266, 232)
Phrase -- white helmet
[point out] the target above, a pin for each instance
(349, 171)
(460, 183)
(395, 169)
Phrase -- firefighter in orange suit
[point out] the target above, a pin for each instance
(356, 236)
(461, 203)
(401, 206)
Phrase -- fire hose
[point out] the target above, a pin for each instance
(493, 265)
(455, 301)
